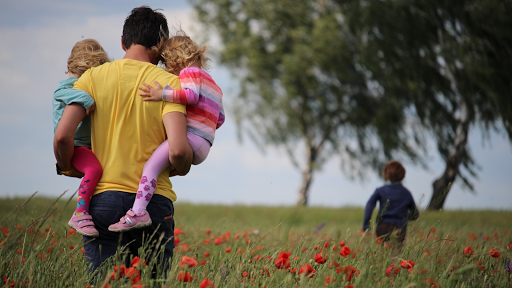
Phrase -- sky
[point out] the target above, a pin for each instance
(37, 37)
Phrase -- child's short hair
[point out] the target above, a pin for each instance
(393, 171)
(86, 54)
(179, 52)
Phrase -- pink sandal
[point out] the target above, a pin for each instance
(83, 224)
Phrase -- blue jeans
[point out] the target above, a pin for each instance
(108, 207)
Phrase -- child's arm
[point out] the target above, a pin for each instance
(70, 95)
(222, 118)
(184, 96)
(368, 211)
(414, 213)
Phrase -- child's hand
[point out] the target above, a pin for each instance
(91, 109)
(152, 93)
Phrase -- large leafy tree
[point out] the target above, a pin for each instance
(450, 61)
(302, 86)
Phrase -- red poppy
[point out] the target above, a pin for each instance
(283, 260)
(468, 251)
(178, 231)
(187, 261)
(379, 240)
(391, 271)
(217, 241)
(407, 264)
(328, 280)
(206, 284)
(185, 277)
(345, 251)
(206, 254)
(319, 259)
(176, 241)
(136, 260)
(494, 253)
(228, 250)
(349, 272)
(342, 243)
(208, 231)
(307, 270)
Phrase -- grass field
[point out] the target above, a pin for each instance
(240, 246)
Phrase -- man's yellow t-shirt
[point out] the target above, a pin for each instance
(125, 129)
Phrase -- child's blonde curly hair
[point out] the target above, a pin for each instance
(180, 52)
(84, 55)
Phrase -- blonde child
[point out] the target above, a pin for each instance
(205, 114)
(396, 204)
(84, 55)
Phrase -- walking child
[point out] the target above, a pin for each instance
(396, 204)
(205, 114)
(84, 55)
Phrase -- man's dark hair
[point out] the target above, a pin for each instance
(144, 26)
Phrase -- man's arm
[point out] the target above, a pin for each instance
(180, 152)
(63, 141)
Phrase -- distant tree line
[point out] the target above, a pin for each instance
(367, 81)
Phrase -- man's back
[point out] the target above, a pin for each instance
(125, 129)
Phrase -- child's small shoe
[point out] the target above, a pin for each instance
(131, 221)
(83, 224)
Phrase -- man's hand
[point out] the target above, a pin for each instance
(152, 93)
(91, 109)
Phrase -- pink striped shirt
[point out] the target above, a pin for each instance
(205, 112)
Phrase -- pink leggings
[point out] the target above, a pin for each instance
(158, 162)
(85, 162)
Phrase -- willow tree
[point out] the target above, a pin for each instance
(302, 88)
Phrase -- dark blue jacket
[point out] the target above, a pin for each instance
(396, 206)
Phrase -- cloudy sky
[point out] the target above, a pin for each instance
(37, 37)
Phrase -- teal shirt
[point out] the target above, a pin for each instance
(65, 95)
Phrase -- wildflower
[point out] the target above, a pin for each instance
(391, 271)
(307, 270)
(345, 251)
(136, 260)
(349, 272)
(349, 286)
(508, 266)
(342, 243)
(333, 264)
(19, 227)
(185, 277)
(468, 251)
(326, 244)
(206, 283)
(217, 241)
(379, 240)
(407, 264)
(283, 260)
(131, 272)
(176, 241)
(187, 261)
(71, 247)
(319, 259)
(328, 280)
(177, 231)
(228, 250)
(494, 253)
(208, 231)
(206, 254)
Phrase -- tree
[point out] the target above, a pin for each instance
(302, 86)
(453, 63)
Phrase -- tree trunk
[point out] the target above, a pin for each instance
(442, 185)
(307, 178)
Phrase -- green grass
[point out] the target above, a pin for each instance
(37, 250)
